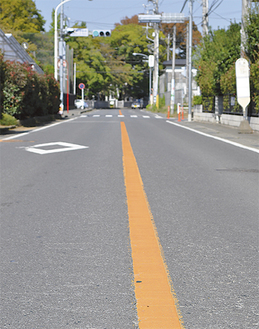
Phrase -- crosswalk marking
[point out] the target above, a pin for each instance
(120, 116)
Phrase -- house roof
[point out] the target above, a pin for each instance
(13, 51)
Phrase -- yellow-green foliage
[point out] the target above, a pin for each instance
(8, 120)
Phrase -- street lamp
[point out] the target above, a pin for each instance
(56, 40)
(56, 51)
(150, 59)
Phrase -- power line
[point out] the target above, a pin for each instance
(183, 6)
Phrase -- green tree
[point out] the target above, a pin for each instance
(108, 64)
(20, 15)
(181, 36)
(127, 39)
(91, 65)
(252, 31)
(41, 49)
(215, 56)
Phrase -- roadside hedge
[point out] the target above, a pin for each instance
(25, 93)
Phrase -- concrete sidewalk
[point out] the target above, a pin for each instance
(222, 131)
(11, 130)
(227, 132)
(75, 112)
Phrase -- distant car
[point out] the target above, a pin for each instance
(135, 105)
(79, 103)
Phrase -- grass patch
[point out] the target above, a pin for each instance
(8, 120)
(162, 109)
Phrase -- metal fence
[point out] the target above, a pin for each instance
(231, 106)
(208, 103)
(253, 108)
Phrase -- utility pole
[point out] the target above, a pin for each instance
(205, 17)
(187, 63)
(173, 72)
(156, 19)
(156, 54)
(168, 47)
(246, 4)
(190, 61)
(61, 56)
(74, 78)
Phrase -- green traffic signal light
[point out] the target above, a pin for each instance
(101, 33)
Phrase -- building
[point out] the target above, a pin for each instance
(181, 83)
(13, 51)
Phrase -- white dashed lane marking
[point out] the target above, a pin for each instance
(120, 116)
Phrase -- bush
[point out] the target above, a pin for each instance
(162, 101)
(2, 78)
(197, 100)
(26, 93)
(8, 120)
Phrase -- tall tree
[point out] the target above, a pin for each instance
(20, 15)
(181, 36)
(215, 56)
(126, 20)
(252, 31)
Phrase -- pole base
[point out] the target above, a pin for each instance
(245, 128)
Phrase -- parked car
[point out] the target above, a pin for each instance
(79, 103)
(136, 105)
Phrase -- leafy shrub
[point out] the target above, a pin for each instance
(197, 100)
(2, 78)
(162, 101)
(8, 120)
(26, 93)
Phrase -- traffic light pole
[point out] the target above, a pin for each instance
(156, 63)
(61, 55)
(173, 72)
(190, 63)
(56, 40)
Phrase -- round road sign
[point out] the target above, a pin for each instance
(81, 86)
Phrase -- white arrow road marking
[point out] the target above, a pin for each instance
(39, 149)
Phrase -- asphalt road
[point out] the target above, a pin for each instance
(66, 257)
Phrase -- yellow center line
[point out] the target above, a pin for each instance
(156, 300)
(120, 112)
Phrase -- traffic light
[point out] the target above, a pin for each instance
(101, 33)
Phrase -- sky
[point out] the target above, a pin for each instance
(103, 14)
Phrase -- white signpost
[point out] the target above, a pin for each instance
(82, 87)
(243, 91)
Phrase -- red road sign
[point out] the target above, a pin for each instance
(81, 86)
